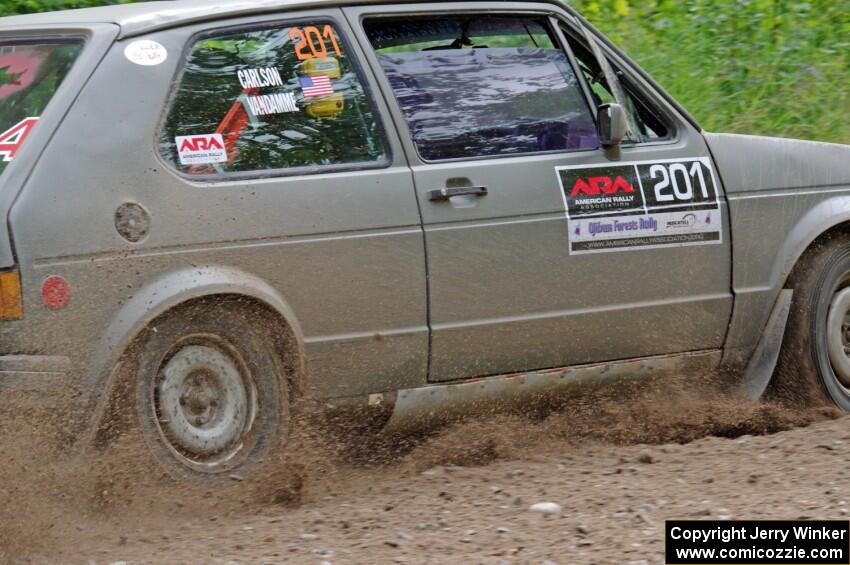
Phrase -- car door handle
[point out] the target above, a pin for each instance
(441, 194)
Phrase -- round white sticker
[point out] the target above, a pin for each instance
(145, 52)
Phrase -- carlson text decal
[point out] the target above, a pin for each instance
(201, 149)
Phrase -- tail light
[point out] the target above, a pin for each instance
(11, 305)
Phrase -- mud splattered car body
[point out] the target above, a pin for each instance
(294, 161)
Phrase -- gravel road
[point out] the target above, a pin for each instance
(591, 483)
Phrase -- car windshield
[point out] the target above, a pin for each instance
(30, 74)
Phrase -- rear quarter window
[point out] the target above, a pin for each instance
(272, 99)
(30, 74)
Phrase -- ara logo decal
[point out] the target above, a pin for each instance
(594, 186)
(12, 139)
(202, 143)
(594, 191)
(201, 149)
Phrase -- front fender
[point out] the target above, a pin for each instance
(769, 235)
(782, 195)
(814, 223)
(167, 291)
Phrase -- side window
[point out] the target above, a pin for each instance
(269, 99)
(30, 74)
(651, 126)
(477, 85)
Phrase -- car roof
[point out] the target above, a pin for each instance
(145, 17)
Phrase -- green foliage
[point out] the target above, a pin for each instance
(7, 77)
(14, 7)
(773, 67)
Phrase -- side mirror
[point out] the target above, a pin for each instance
(611, 124)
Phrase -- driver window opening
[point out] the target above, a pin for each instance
(483, 85)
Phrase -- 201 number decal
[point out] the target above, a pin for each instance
(310, 42)
(676, 182)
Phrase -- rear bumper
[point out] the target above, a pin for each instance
(31, 373)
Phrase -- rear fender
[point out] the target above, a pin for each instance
(163, 294)
(820, 219)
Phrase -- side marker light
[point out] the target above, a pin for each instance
(55, 292)
(11, 304)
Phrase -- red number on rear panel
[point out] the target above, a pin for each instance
(12, 139)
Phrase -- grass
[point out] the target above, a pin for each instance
(769, 67)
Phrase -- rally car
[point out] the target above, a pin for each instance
(232, 210)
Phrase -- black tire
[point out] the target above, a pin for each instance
(806, 374)
(211, 390)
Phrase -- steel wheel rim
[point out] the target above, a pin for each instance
(205, 401)
(838, 336)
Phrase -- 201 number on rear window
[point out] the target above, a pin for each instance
(307, 39)
(282, 97)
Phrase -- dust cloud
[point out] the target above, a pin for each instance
(56, 494)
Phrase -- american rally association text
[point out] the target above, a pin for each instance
(756, 533)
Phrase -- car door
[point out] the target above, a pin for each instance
(544, 249)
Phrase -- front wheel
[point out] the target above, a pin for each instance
(211, 395)
(814, 365)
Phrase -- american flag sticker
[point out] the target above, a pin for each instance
(319, 85)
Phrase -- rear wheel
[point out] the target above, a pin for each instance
(211, 394)
(814, 365)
